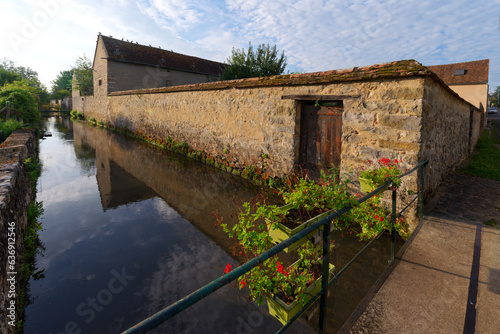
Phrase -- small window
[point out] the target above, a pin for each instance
(100, 82)
(460, 72)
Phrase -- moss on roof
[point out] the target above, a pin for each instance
(396, 69)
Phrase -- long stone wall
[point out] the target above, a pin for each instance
(448, 133)
(244, 124)
(15, 195)
(398, 111)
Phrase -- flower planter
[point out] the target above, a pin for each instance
(284, 312)
(282, 232)
(367, 185)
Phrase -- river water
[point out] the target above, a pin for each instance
(128, 230)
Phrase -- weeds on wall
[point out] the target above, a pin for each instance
(31, 243)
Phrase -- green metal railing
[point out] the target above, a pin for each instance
(182, 304)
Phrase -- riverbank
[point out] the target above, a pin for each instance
(15, 196)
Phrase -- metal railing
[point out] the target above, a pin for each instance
(182, 304)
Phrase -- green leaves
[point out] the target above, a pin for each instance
(259, 63)
(22, 98)
(83, 77)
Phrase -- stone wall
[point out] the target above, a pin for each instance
(15, 195)
(384, 121)
(397, 110)
(448, 137)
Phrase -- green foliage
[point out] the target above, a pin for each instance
(381, 171)
(9, 126)
(309, 199)
(259, 63)
(62, 83)
(270, 277)
(486, 158)
(34, 168)
(76, 115)
(182, 145)
(10, 73)
(60, 94)
(84, 79)
(22, 98)
(8, 77)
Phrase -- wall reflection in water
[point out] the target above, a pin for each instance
(127, 232)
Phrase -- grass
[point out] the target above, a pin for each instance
(492, 223)
(486, 158)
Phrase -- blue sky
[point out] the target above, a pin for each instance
(316, 35)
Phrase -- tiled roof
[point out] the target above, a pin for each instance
(402, 68)
(476, 72)
(131, 52)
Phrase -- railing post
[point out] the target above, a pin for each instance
(325, 277)
(8, 110)
(393, 221)
(421, 191)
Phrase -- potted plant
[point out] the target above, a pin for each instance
(307, 202)
(286, 290)
(378, 173)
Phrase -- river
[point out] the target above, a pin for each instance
(128, 230)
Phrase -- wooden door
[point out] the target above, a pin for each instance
(320, 138)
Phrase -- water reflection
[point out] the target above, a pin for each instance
(127, 232)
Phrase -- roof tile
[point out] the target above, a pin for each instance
(130, 52)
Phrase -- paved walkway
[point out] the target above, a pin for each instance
(449, 272)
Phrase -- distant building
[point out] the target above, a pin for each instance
(121, 65)
(469, 80)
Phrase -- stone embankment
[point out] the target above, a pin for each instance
(15, 196)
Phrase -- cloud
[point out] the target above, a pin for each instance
(174, 15)
(315, 34)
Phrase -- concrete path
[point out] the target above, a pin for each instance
(449, 272)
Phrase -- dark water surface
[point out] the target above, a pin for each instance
(128, 231)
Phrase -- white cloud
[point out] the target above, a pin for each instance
(315, 34)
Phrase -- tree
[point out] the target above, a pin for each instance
(23, 98)
(62, 82)
(8, 77)
(10, 73)
(84, 78)
(259, 63)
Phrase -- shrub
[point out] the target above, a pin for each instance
(9, 126)
(22, 98)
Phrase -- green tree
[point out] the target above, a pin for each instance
(10, 73)
(84, 78)
(22, 98)
(8, 77)
(262, 62)
(62, 83)
(494, 97)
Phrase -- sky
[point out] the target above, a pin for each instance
(316, 35)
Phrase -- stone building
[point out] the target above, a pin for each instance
(122, 65)
(468, 79)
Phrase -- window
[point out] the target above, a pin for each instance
(460, 72)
